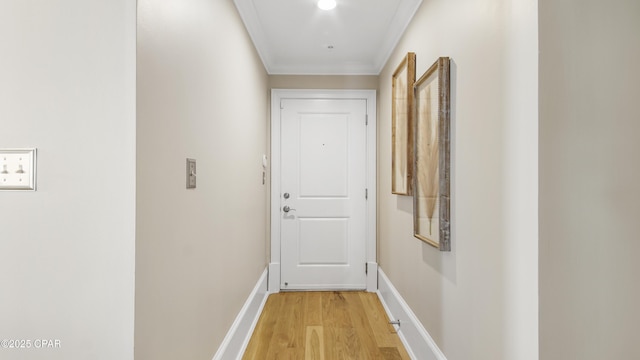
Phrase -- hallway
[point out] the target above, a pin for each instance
(116, 258)
(324, 325)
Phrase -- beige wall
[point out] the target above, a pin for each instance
(589, 177)
(202, 93)
(478, 301)
(67, 250)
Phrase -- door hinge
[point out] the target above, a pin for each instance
(366, 194)
(366, 120)
(366, 268)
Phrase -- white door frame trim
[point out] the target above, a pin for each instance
(371, 252)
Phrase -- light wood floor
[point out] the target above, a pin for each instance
(324, 326)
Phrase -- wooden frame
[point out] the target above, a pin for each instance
(431, 182)
(402, 82)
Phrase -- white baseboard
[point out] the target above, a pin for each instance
(237, 339)
(414, 336)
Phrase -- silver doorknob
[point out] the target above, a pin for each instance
(286, 209)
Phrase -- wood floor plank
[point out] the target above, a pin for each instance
(341, 343)
(313, 308)
(384, 332)
(295, 306)
(339, 335)
(259, 344)
(288, 332)
(314, 344)
(369, 348)
(334, 310)
(287, 354)
(391, 353)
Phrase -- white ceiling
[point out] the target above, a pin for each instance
(294, 36)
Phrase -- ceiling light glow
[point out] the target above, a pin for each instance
(327, 4)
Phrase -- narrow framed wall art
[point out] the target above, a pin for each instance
(402, 82)
(432, 138)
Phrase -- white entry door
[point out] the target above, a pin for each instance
(323, 154)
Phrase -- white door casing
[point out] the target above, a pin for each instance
(323, 156)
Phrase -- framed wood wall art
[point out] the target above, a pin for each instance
(431, 181)
(402, 125)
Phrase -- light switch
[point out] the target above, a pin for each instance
(191, 173)
(17, 169)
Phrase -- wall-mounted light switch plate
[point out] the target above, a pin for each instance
(18, 169)
(191, 173)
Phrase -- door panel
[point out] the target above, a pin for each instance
(323, 241)
(323, 169)
(324, 155)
